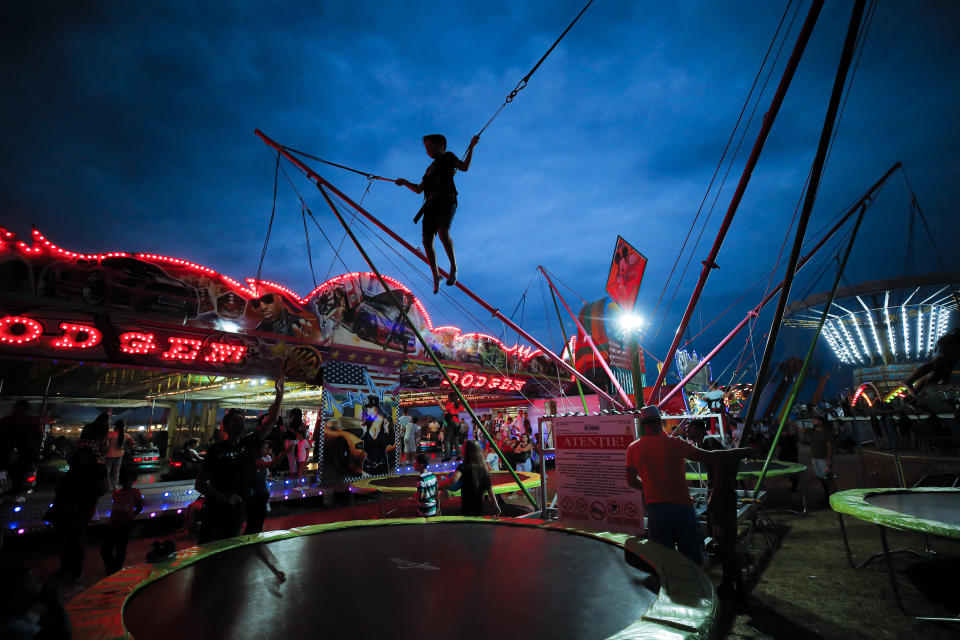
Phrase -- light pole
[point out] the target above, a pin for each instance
(631, 324)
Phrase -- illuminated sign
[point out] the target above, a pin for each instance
(481, 381)
(20, 330)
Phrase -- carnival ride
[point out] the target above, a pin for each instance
(393, 334)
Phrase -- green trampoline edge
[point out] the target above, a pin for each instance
(853, 502)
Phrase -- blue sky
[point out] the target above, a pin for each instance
(129, 126)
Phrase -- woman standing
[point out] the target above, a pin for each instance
(473, 480)
(377, 439)
(118, 443)
(522, 453)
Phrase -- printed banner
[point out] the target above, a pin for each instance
(359, 417)
(591, 483)
(626, 274)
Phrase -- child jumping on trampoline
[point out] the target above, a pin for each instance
(440, 200)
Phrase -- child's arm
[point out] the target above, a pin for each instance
(138, 504)
(464, 165)
(403, 182)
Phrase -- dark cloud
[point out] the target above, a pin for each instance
(130, 125)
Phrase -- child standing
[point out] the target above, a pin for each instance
(440, 200)
(127, 503)
(303, 455)
(260, 492)
(426, 489)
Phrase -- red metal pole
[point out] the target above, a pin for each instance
(493, 311)
(596, 352)
(769, 117)
(803, 261)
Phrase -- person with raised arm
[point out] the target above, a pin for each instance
(228, 471)
(439, 200)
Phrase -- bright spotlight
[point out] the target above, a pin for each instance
(630, 322)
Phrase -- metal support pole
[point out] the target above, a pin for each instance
(322, 182)
(566, 343)
(816, 171)
(771, 114)
(633, 344)
(433, 356)
(586, 335)
(753, 313)
(798, 381)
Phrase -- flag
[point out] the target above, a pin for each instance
(357, 377)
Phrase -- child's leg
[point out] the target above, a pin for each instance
(447, 241)
(120, 551)
(107, 550)
(432, 258)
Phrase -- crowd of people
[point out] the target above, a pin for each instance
(513, 436)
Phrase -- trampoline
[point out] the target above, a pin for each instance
(751, 469)
(406, 485)
(502, 482)
(931, 511)
(397, 578)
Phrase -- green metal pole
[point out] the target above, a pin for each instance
(813, 344)
(633, 344)
(433, 356)
(566, 345)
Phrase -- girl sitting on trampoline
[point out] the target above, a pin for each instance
(440, 200)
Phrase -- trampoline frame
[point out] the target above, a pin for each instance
(854, 502)
(684, 608)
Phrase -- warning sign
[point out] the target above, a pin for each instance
(591, 463)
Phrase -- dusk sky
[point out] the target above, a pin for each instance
(129, 126)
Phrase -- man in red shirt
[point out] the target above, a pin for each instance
(655, 466)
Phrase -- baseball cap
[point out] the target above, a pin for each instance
(650, 413)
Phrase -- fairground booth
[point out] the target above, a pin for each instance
(169, 345)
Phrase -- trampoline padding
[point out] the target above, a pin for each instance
(931, 510)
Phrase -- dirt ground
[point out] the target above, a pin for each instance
(801, 587)
(804, 587)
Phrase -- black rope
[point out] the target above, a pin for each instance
(723, 155)
(523, 82)
(306, 233)
(368, 176)
(273, 212)
(305, 208)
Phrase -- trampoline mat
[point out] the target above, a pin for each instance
(497, 478)
(942, 507)
(471, 580)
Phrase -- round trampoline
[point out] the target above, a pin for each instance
(931, 511)
(402, 579)
(751, 469)
(502, 482)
